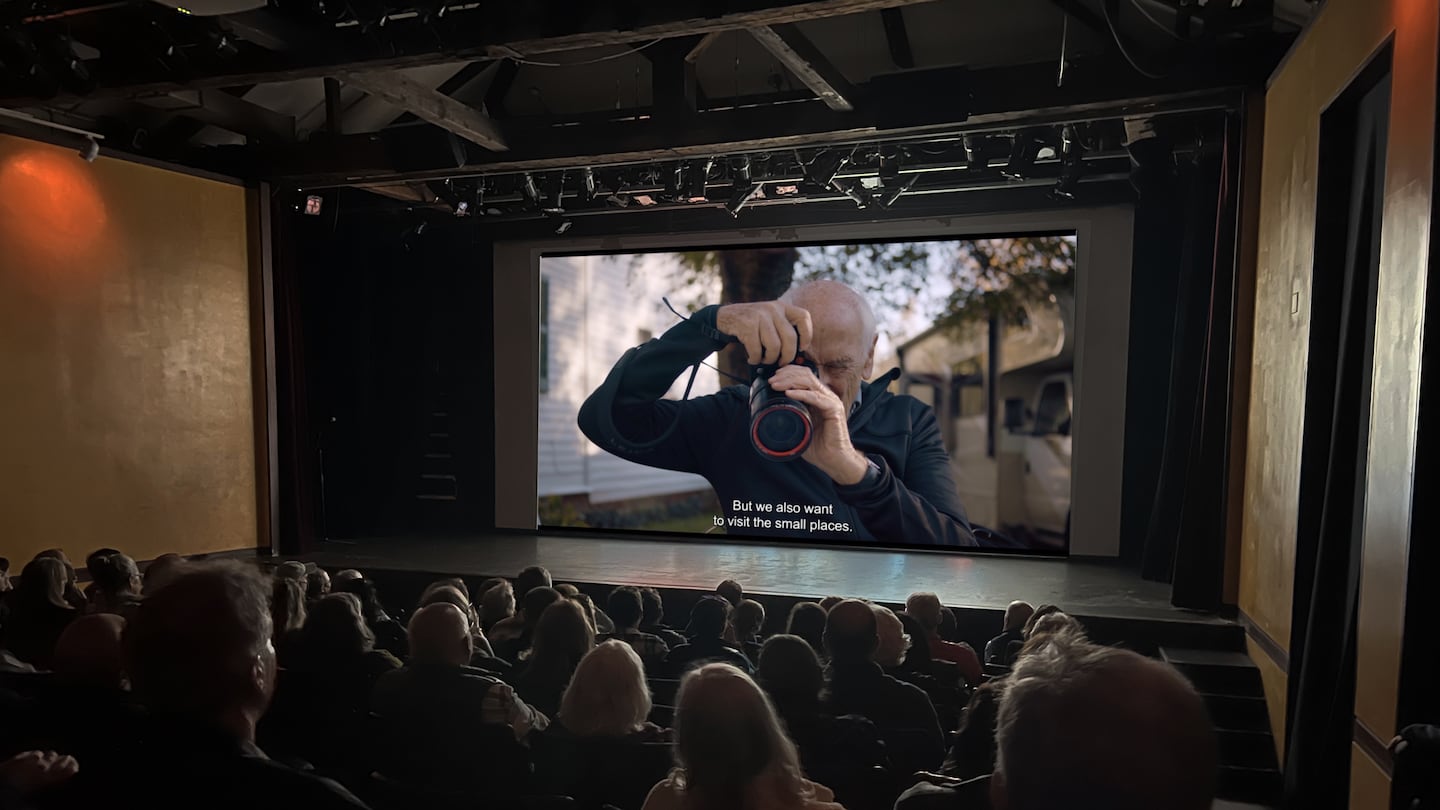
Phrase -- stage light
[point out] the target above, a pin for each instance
(786, 190)
(90, 150)
(462, 208)
(892, 194)
(587, 183)
(852, 191)
(1071, 168)
(822, 169)
(971, 144)
(644, 199)
(527, 187)
(564, 224)
(1023, 151)
(742, 197)
(699, 176)
(740, 170)
(555, 194)
(618, 200)
(890, 166)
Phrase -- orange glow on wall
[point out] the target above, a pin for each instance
(51, 211)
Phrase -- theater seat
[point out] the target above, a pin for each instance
(599, 771)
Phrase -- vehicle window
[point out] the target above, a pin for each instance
(1052, 415)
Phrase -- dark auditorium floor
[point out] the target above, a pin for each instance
(1084, 586)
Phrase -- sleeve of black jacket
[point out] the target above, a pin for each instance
(922, 506)
(626, 416)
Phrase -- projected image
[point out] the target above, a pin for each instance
(914, 394)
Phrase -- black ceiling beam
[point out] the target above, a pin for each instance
(898, 38)
(673, 86)
(990, 99)
(505, 72)
(235, 114)
(806, 63)
(490, 30)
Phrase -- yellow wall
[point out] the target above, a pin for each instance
(125, 358)
(1342, 39)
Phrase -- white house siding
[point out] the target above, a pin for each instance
(598, 309)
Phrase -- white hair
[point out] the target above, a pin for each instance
(1082, 725)
(608, 695)
(894, 641)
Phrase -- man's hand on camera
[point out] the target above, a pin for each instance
(830, 448)
(770, 331)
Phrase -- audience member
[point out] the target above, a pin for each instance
(836, 751)
(157, 573)
(997, 649)
(1038, 614)
(563, 636)
(972, 749)
(533, 577)
(73, 597)
(807, 620)
(445, 590)
(92, 565)
(117, 585)
(39, 611)
(512, 636)
(292, 569)
(1087, 726)
(730, 751)
(345, 575)
(927, 610)
(1417, 779)
(708, 622)
(626, 609)
(200, 659)
(337, 646)
(830, 602)
(317, 584)
(894, 642)
(653, 621)
(497, 603)
(1048, 626)
(287, 618)
(855, 684)
(5, 584)
(32, 772)
(731, 592)
(608, 696)
(748, 619)
(949, 625)
(918, 660)
(389, 633)
(447, 726)
(89, 653)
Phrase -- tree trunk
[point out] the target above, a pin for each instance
(749, 276)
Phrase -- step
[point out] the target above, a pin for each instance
(1218, 672)
(1237, 713)
(1226, 804)
(1247, 749)
(1260, 786)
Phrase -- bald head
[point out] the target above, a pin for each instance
(440, 634)
(1017, 614)
(850, 631)
(89, 651)
(1087, 726)
(844, 335)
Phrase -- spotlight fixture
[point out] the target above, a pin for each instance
(419, 229)
(971, 144)
(618, 200)
(563, 224)
(462, 208)
(740, 169)
(1071, 155)
(742, 197)
(1024, 148)
(527, 187)
(699, 176)
(555, 194)
(851, 190)
(822, 169)
(587, 184)
(91, 150)
(890, 165)
(892, 194)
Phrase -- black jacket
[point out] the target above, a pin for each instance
(913, 500)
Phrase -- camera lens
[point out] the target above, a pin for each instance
(781, 431)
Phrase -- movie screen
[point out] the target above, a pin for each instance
(900, 394)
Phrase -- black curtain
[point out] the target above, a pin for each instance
(1332, 493)
(298, 461)
(1184, 531)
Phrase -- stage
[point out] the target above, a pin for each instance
(975, 582)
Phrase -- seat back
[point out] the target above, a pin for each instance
(601, 770)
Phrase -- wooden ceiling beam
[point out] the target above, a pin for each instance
(235, 114)
(805, 61)
(431, 106)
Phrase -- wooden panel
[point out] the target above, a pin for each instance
(1369, 786)
(1340, 42)
(1275, 683)
(126, 357)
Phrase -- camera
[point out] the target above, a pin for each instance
(780, 427)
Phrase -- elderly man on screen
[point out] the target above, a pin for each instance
(876, 468)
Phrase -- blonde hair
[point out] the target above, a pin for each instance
(730, 749)
(608, 695)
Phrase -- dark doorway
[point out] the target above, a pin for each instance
(1334, 448)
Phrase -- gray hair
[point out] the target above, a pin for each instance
(1081, 725)
(192, 644)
